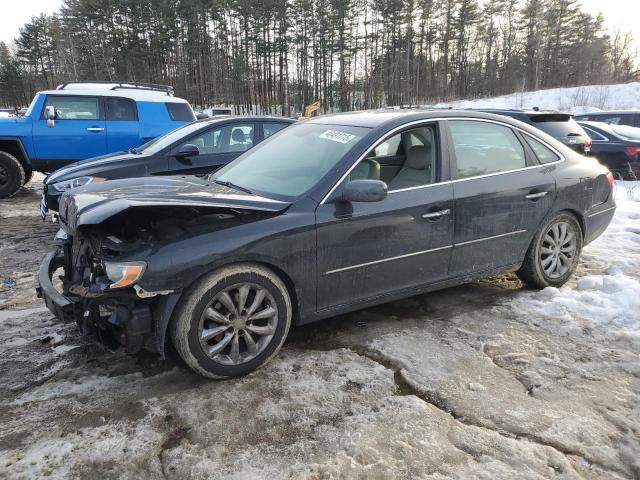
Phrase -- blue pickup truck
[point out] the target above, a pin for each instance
(81, 120)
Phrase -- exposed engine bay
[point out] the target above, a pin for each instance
(107, 302)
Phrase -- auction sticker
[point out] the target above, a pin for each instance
(337, 136)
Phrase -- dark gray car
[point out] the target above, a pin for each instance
(331, 215)
(197, 148)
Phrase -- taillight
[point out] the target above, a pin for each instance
(633, 150)
(610, 179)
(588, 143)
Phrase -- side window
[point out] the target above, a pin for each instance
(269, 128)
(482, 148)
(227, 139)
(388, 147)
(614, 119)
(180, 112)
(73, 108)
(414, 151)
(241, 138)
(120, 109)
(595, 136)
(544, 153)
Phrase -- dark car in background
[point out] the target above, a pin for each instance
(197, 148)
(616, 117)
(617, 147)
(333, 214)
(560, 126)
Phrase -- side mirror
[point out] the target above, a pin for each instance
(187, 150)
(50, 115)
(363, 191)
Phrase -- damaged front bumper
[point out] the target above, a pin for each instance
(119, 318)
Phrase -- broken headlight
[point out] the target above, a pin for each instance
(124, 274)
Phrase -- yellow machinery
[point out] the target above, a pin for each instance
(312, 110)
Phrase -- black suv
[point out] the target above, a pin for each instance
(559, 125)
(616, 117)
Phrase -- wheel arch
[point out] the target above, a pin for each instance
(166, 310)
(579, 216)
(14, 146)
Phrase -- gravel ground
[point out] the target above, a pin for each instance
(487, 380)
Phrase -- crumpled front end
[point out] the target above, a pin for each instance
(88, 293)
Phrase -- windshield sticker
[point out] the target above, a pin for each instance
(337, 136)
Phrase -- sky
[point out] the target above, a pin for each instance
(618, 13)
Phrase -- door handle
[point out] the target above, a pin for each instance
(438, 214)
(95, 129)
(535, 196)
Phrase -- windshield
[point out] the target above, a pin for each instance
(292, 161)
(32, 105)
(154, 146)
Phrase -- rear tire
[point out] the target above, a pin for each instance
(232, 321)
(554, 252)
(12, 175)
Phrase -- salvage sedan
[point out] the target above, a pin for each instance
(331, 215)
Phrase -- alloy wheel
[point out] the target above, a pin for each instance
(238, 324)
(558, 249)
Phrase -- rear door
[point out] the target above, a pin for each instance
(501, 194)
(369, 249)
(218, 146)
(121, 115)
(79, 130)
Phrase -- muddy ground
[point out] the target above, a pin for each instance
(487, 380)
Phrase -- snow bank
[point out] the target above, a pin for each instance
(572, 99)
(611, 300)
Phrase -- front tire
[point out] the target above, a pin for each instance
(12, 175)
(554, 252)
(232, 321)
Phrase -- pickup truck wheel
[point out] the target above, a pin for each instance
(554, 252)
(11, 175)
(232, 321)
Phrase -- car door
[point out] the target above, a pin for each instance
(121, 117)
(368, 250)
(217, 146)
(78, 131)
(501, 194)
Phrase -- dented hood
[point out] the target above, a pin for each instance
(96, 203)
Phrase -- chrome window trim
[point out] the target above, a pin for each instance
(389, 259)
(440, 119)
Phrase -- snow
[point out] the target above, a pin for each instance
(576, 100)
(609, 300)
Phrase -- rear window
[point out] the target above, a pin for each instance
(180, 112)
(557, 124)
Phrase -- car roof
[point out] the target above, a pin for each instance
(379, 118)
(138, 95)
(525, 111)
(240, 118)
(606, 112)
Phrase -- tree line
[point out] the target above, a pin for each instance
(276, 56)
